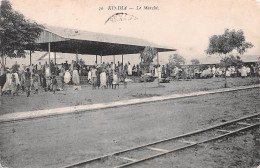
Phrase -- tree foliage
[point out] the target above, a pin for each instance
(147, 57)
(16, 32)
(195, 62)
(231, 61)
(176, 60)
(227, 42)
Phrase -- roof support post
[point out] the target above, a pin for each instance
(54, 57)
(49, 51)
(77, 57)
(123, 60)
(30, 57)
(158, 68)
(101, 59)
(96, 59)
(114, 63)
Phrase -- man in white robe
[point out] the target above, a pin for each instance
(243, 71)
(75, 77)
(103, 79)
(213, 71)
(129, 69)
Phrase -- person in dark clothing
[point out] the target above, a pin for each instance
(54, 83)
(66, 66)
(2, 82)
(28, 81)
(52, 67)
(163, 72)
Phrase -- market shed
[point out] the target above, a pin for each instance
(56, 39)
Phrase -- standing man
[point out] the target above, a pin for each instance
(40, 71)
(94, 77)
(213, 71)
(28, 81)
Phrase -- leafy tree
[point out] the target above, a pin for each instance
(226, 43)
(16, 32)
(176, 60)
(147, 57)
(231, 61)
(195, 62)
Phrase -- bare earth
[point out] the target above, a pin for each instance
(69, 97)
(63, 140)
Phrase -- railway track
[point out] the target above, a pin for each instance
(139, 154)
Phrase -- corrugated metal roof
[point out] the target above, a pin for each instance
(85, 42)
(99, 37)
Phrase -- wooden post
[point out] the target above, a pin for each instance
(101, 58)
(77, 57)
(49, 51)
(30, 57)
(158, 68)
(114, 63)
(123, 59)
(55, 58)
(96, 58)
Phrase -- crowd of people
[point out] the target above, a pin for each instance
(53, 77)
(192, 72)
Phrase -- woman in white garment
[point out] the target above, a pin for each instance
(8, 83)
(67, 77)
(75, 77)
(103, 79)
(213, 71)
(129, 69)
(115, 80)
(243, 71)
(89, 76)
(228, 72)
(48, 76)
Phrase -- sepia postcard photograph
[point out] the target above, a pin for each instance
(130, 83)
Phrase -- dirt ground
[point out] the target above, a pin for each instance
(240, 151)
(69, 97)
(63, 140)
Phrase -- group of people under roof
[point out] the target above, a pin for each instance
(53, 77)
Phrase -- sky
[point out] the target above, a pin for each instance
(185, 25)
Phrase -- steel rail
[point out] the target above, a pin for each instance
(165, 140)
(187, 146)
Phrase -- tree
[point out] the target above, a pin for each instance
(176, 60)
(147, 57)
(16, 33)
(231, 61)
(226, 43)
(195, 62)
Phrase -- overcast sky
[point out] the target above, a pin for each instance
(182, 24)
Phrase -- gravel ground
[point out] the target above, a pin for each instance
(59, 141)
(69, 97)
